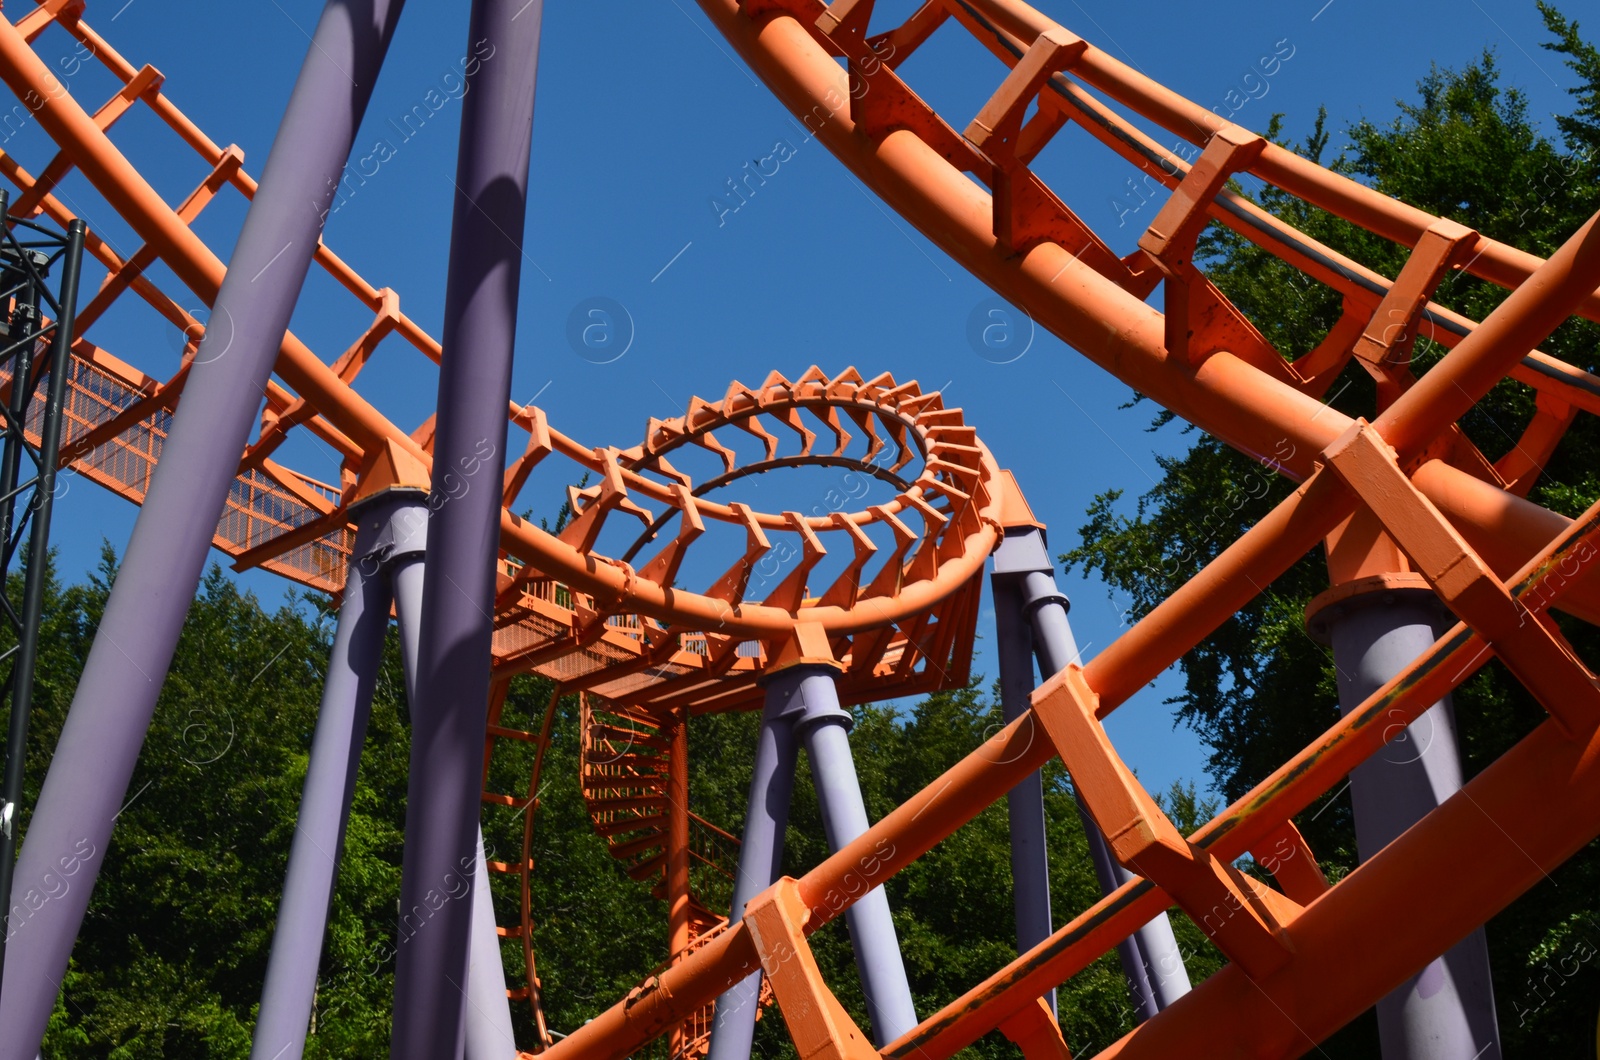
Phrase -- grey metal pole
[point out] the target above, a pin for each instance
(1150, 957)
(166, 553)
(824, 727)
(448, 715)
(1446, 1010)
(1030, 857)
(488, 1034)
(43, 503)
(318, 844)
(488, 1013)
(760, 862)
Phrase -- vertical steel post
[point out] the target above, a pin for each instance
(1447, 1009)
(449, 714)
(25, 320)
(802, 704)
(488, 1034)
(166, 553)
(43, 503)
(678, 854)
(824, 727)
(1030, 858)
(382, 524)
(488, 1011)
(760, 861)
(1150, 956)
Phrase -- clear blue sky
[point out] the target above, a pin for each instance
(643, 114)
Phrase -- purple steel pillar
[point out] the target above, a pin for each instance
(802, 704)
(760, 861)
(824, 727)
(1447, 1009)
(166, 553)
(286, 997)
(1030, 858)
(448, 715)
(488, 1012)
(1150, 956)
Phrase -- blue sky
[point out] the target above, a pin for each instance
(643, 115)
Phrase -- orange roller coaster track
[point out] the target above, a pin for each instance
(647, 654)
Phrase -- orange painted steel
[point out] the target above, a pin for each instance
(647, 655)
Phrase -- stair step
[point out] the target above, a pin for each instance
(647, 783)
(509, 932)
(503, 733)
(508, 868)
(645, 869)
(624, 825)
(636, 846)
(519, 994)
(630, 737)
(652, 802)
(494, 798)
(628, 760)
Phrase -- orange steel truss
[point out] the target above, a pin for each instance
(647, 654)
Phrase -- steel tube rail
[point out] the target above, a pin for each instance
(1400, 222)
(1107, 324)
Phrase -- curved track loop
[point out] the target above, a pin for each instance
(296, 525)
(898, 608)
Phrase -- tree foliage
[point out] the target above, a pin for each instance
(173, 951)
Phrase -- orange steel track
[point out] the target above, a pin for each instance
(1304, 956)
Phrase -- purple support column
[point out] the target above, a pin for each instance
(1447, 1009)
(824, 727)
(760, 862)
(448, 717)
(133, 647)
(1150, 957)
(488, 1014)
(1030, 857)
(353, 664)
(488, 1033)
(802, 704)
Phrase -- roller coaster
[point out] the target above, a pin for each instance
(422, 526)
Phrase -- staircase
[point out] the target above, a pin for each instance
(625, 758)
